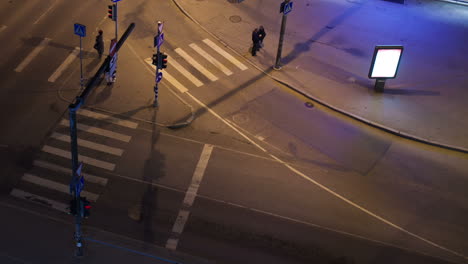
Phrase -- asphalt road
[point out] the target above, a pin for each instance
(272, 179)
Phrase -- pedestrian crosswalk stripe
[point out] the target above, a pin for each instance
(195, 64)
(212, 60)
(186, 73)
(56, 186)
(89, 144)
(225, 54)
(169, 77)
(40, 200)
(88, 177)
(174, 82)
(98, 131)
(86, 160)
(107, 118)
(73, 55)
(32, 55)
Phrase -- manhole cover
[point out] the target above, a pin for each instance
(240, 118)
(309, 105)
(235, 19)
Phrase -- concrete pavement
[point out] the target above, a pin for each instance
(327, 51)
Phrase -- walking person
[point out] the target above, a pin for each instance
(99, 45)
(255, 42)
(261, 35)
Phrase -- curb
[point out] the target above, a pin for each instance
(334, 108)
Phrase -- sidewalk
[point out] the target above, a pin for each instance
(327, 51)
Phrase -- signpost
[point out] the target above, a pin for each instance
(80, 30)
(285, 8)
(158, 41)
(79, 207)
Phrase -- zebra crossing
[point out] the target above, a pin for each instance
(102, 139)
(222, 62)
(208, 62)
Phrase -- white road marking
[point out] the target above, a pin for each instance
(323, 187)
(88, 177)
(107, 118)
(40, 200)
(56, 186)
(32, 55)
(86, 160)
(264, 150)
(228, 56)
(169, 78)
(190, 195)
(186, 73)
(47, 11)
(98, 131)
(212, 60)
(73, 55)
(89, 144)
(195, 64)
(2, 27)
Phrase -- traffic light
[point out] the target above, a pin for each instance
(85, 207)
(112, 12)
(155, 59)
(72, 208)
(163, 63)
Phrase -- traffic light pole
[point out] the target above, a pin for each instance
(157, 65)
(116, 18)
(80, 100)
(280, 44)
(74, 153)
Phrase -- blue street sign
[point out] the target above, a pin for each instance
(80, 30)
(115, 1)
(80, 182)
(158, 41)
(288, 8)
(159, 77)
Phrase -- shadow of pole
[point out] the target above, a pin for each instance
(300, 48)
(154, 169)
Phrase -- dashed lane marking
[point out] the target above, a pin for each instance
(88, 177)
(73, 55)
(86, 160)
(89, 144)
(228, 56)
(195, 64)
(107, 118)
(209, 58)
(98, 131)
(40, 200)
(55, 186)
(186, 73)
(32, 55)
(190, 195)
(169, 77)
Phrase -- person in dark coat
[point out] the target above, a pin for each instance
(255, 42)
(261, 35)
(99, 45)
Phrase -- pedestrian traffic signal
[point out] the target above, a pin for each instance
(155, 59)
(85, 207)
(72, 207)
(163, 61)
(112, 12)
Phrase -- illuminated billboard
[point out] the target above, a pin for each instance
(385, 62)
